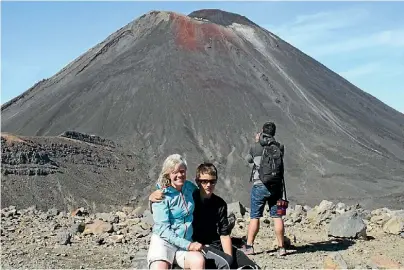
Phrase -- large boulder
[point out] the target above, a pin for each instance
(348, 225)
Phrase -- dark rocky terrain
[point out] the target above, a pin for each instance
(201, 85)
(328, 236)
(70, 170)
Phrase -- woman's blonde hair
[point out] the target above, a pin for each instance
(168, 166)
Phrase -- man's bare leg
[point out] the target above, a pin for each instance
(253, 229)
(280, 234)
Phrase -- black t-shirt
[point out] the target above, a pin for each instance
(210, 219)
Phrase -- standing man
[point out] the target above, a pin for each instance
(261, 193)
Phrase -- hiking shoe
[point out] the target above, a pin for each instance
(247, 250)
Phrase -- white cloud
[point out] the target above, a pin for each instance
(384, 70)
(327, 33)
(383, 39)
(391, 37)
(310, 28)
(360, 71)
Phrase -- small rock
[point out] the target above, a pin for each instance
(55, 226)
(127, 209)
(62, 214)
(64, 238)
(132, 221)
(378, 212)
(43, 216)
(137, 212)
(299, 209)
(77, 228)
(116, 238)
(289, 223)
(53, 212)
(340, 208)
(100, 240)
(319, 216)
(145, 226)
(325, 206)
(108, 217)
(98, 227)
(31, 210)
(79, 212)
(380, 219)
(394, 226)
(121, 215)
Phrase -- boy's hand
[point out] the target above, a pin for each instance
(156, 196)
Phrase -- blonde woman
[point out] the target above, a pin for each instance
(171, 241)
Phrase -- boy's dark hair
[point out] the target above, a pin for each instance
(269, 128)
(206, 168)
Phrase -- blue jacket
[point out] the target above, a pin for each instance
(173, 216)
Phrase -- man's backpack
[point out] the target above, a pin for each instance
(271, 166)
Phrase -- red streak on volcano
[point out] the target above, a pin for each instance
(192, 35)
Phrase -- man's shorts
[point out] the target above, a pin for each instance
(260, 195)
(161, 250)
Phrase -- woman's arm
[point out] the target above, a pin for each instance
(162, 226)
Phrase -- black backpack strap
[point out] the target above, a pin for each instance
(284, 188)
(262, 156)
(252, 172)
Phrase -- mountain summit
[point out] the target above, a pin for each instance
(203, 85)
(221, 17)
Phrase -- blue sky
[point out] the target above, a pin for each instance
(361, 41)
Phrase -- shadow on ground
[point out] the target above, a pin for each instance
(329, 245)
